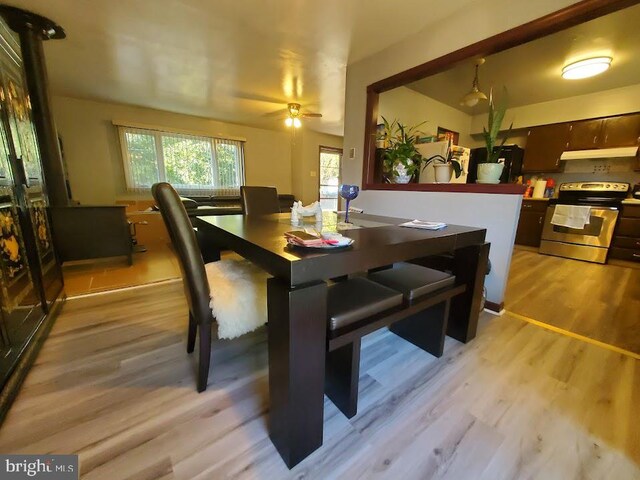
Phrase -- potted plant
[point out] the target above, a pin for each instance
(490, 170)
(444, 167)
(400, 158)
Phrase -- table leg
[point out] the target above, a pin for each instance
(470, 267)
(297, 343)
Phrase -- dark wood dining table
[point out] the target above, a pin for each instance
(297, 299)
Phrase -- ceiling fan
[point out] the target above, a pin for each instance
(293, 115)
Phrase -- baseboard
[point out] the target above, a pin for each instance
(494, 307)
(14, 382)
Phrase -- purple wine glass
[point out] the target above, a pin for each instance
(348, 192)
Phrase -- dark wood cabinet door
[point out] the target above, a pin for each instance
(585, 135)
(622, 131)
(545, 144)
(530, 228)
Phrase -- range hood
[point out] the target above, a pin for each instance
(620, 152)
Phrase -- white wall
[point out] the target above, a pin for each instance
(92, 149)
(497, 213)
(412, 108)
(616, 101)
(470, 24)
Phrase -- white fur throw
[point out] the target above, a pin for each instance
(238, 296)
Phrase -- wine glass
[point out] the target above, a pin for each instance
(348, 192)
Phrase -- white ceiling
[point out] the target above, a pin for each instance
(531, 72)
(232, 60)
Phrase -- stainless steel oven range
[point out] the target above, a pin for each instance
(590, 241)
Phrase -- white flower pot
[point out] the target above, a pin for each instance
(489, 172)
(402, 176)
(443, 172)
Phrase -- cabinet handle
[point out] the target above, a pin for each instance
(526, 205)
(570, 127)
(594, 139)
(540, 220)
(606, 137)
(557, 161)
(638, 243)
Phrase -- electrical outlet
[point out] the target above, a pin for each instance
(352, 153)
(313, 174)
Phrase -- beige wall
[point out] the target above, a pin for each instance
(497, 213)
(600, 104)
(305, 154)
(92, 149)
(412, 108)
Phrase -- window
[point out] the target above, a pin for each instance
(194, 165)
(329, 177)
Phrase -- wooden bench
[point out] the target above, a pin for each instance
(422, 320)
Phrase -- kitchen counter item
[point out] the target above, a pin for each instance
(540, 187)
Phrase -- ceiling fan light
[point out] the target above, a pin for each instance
(586, 68)
(297, 123)
(288, 121)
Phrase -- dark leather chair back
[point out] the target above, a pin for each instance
(184, 241)
(259, 200)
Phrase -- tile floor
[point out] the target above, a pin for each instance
(157, 264)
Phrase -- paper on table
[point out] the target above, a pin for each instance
(424, 225)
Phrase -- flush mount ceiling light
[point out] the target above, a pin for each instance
(586, 68)
(472, 98)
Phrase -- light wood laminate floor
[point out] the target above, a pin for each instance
(114, 384)
(597, 301)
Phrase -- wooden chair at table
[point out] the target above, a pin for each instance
(259, 200)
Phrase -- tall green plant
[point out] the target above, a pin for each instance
(400, 147)
(494, 122)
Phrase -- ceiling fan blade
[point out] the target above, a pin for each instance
(311, 115)
(283, 112)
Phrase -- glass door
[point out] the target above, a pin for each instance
(330, 159)
(28, 177)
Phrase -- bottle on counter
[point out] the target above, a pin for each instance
(551, 188)
(529, 190)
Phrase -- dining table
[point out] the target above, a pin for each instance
(297, 297)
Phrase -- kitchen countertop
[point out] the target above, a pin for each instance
(536, 199)
(631, 201)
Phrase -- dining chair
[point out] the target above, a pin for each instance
(259, 200)
(199, 280)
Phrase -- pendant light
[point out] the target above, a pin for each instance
(472, 98)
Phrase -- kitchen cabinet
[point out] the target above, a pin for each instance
(531, 221)
(621, 131)
(626, 237)
(545, 144)
(585, 135)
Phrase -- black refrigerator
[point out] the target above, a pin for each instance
(30, 275)
(511, 156)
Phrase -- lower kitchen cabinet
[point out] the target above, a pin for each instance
(531, 222)
(626, 237)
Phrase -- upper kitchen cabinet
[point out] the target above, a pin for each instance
(545, 144)
(621, 131)
(610, 132)
(585, 135)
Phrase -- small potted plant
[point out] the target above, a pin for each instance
(444, 167)
(490, 170)
(400, 158)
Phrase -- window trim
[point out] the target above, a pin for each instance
(328, 149)
(160, 160)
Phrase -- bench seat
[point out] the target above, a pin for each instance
(417, 312)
